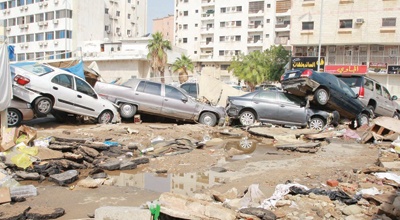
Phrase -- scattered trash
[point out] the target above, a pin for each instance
(23, 191)
(149, 149)
(111, 143)
(157, 139)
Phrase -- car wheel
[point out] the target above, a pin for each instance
(371, 109)
(396, 116)
(208, 118)
(43, 106)
(14, 117)
(317, 123)
(105, 117)
(59, 115)
(247, 118)
(246, 145)
(321, 96)
(364, 120)
(127, 110)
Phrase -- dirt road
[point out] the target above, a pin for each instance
(195, 171)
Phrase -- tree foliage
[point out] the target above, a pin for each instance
(182, 65)
(258, 67)
(157, 55)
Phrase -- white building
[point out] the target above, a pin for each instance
(55, 29)
(215, 31)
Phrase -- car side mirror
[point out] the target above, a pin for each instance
(184, 99)
(394, 97)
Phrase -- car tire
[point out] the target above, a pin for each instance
(208, 118)
(127, 110)
(105, 117)
(317, 123)
(321, 96)
(247, 118)
(247, 146)
(43, 106)
(371, 109)
(14, 117)
(60, 116)
(364, 120)
(396, 116)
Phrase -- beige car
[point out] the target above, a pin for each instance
(19, 111)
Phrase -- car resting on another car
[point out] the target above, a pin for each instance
(277, 107)
(328, 92)
(49, 90)
(19, 111)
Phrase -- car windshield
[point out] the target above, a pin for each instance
(347, 89)
(35, 68)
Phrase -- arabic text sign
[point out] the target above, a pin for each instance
(362, 69)
(307, 62)
(394, 69)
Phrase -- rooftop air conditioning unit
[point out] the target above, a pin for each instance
(40, 4)
(55, 1)
(119, 33)
(21, 8)
(26, 26)
(26, 7)
(21, 26)
(55, 42)
(40, 23)
(359, 20)
(45, 23)
(45, 43)
(55, 21)
(26, 45)
(40, 43)
(45, 3)
(4, 11)
(8, 28)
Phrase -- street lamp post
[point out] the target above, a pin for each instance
(320, 36)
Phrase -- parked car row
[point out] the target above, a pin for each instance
(327, 92)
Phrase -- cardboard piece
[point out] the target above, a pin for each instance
(8, 140)
(5, 196)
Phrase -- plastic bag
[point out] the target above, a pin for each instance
(22, 160)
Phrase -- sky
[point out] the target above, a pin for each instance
(158, 9)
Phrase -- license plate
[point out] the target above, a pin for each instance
(292, 75)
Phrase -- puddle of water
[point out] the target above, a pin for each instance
(183, 183)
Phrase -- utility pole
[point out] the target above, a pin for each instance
(3, 114)
(320, 36)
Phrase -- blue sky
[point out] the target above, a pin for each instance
(158, 9)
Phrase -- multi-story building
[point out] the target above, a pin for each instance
(54, 29)
(354, 36)
(165, 25)
(214, 31)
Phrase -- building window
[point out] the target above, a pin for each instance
(308, 25)
(186, 1)
(238, 23)
(39, 17)
(195, 39)
(49, 15)
(21, 57)
(185, 40)
(268, 5)
(221, 38)
(50, 55)
(196, 25)
(222, 24)
(224, 67)
(223, 10)
(197, 11)
(11, 22)
(239, 8)
(30, 56)
(28, 2)
(64, 13)
(388, 22)
(21, 39)
(106, 11)
(238, 38)
(21, 20)
(118, 13)
(30, 19)
(50, 35)
(185, 13)
(237, 52)
(221, 52)
(39, 55)
(347, 23)
(20, 2)
(3, 5)
(30, 38)
(185, 27)
(195, 52)
(129, 16)
(39, 36)
(60, 34)
(11, 40)
(11, 4)
(267, 36)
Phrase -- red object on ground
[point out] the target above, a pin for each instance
(332, 183)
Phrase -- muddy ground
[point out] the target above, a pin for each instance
(195, 171)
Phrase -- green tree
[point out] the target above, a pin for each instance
(182, 65)
(157, 54)
(258, 67)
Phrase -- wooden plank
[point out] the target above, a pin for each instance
(380, 130)
(388, 123)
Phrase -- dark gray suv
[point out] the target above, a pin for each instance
(372, 94)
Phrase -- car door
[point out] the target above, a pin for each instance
(266, 105)
(148, 95)
(62, 88)
(177, 105)
(349, 103)
(290, 109)
(381, 108)
(86, 99)
(390, 105)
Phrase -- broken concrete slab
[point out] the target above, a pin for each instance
(297, 145)
(5, 196)
(89, 182)
(49, 154)
(181, 206)
(65, 178)
(271, 132)
(261, 213)
(89, 151)
(111, 164)
(29, 176)
(44, 213)
(128, 165)
(121, 212)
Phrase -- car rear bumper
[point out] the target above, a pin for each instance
(300, 86)
(24, 93)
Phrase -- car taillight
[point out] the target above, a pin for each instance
(21, 80)
(306, 73)
(361, 92)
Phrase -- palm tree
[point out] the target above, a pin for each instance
(157, 54)
(182, 65)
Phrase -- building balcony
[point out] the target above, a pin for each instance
(207, 16)
(255, 26)
(207, 2)
(260, 13)
(282, 41)
(284, 14)
(282, 27)
(206, 44)
(254, 42)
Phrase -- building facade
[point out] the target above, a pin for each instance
(360, 36)
(165, 25)
(54, 29)
(215, 31)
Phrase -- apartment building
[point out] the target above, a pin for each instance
(213, 31)
(165, 25)
(55, 29)
(355, 36)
